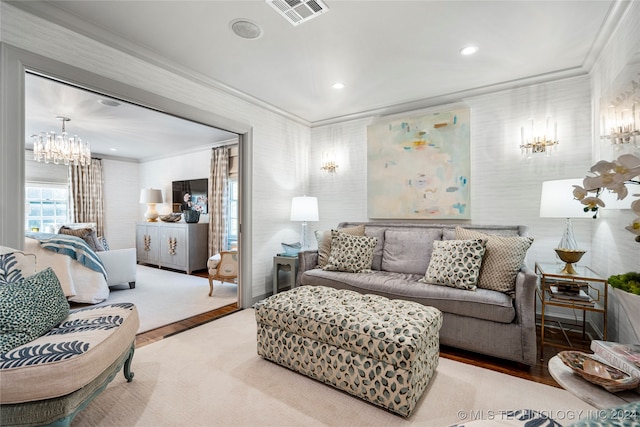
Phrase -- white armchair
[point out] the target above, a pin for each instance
(120, 265)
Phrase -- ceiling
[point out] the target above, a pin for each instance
(389, 54)
(120, 131)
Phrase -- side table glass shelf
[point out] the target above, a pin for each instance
(588, 283)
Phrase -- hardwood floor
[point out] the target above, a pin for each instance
(166, 331)
(538, 373)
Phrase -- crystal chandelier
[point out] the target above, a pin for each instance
(58, 148)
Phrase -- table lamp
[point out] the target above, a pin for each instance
(304, 209)
(151, 196)
(556, 201)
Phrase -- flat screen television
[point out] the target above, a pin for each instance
(190, 193)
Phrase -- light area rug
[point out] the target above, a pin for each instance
(211, 375)
(164, 296)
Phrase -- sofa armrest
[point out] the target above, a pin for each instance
(307, 260)
(120, 265)
(525, 295)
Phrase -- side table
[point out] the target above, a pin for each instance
(584, 278)
(592, 394)
(284, 263)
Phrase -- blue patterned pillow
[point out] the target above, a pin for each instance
(103, 241)
(15, 266)
(29, 308)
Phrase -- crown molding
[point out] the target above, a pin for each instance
(48, 11)
(457, 97)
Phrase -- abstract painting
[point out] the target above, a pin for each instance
(419, 167)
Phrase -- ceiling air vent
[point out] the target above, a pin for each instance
(298, 11)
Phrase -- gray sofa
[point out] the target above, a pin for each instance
(484, 321)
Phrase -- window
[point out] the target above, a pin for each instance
(46, 206)
(232, 213)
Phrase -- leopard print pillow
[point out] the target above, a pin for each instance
(455, 263)
(29, 308)
(352, 254)
(324, 241)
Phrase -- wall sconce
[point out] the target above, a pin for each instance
(329, 164)
(538, 141)
(622, 125)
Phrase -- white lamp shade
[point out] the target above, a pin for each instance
(304, 209)
(150, 195)
(557, 201)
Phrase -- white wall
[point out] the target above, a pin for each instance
(121, 202)
(162, 172)
(277, 158)
(614, 249)
(615, 252)
(505, 187)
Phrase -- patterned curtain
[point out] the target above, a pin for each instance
(218, 199)
(86, 197)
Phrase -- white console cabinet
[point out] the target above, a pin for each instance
(177, 245)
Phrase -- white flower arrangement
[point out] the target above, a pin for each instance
(611, 176)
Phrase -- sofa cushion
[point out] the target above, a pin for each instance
(69, 356)
(408, 251)
(503, 258)
(456, 263)
(378, 233)
(15, 266)
(481, 304)
(324, 239)
(29, 308)
(350, 253)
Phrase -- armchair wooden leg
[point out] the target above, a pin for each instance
(132, 285)
(210, 285)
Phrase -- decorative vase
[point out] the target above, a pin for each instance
(191, 216)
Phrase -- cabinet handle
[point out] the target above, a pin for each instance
(173, 242)
(147, 243)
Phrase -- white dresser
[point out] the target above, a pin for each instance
(176, 245)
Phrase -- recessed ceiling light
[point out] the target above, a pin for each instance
(468, 50)
(113, 149)
(109, 102)
(245, 29)
(338, 85)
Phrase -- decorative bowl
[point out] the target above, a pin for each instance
(174, 217)
(597, 372)
(570, 255)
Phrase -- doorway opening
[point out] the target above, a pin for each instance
(110, 127)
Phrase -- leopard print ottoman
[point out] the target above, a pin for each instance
(384, 351)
